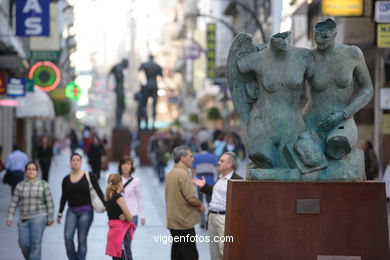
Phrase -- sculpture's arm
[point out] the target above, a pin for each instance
(364, 95)
(363, 80)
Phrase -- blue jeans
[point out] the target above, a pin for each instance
(161, 172)
(30, 237)
(82, 222)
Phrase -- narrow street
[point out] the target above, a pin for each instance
(144, 245)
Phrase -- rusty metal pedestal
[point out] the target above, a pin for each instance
(121, 143)
(306, 220)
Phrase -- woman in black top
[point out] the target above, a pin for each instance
(119, 216)
(75, 191)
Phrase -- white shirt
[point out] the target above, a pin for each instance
(218, 199)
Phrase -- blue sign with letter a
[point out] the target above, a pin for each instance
(32, 17)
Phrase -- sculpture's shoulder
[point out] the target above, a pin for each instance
(303, 53)
(352, 51)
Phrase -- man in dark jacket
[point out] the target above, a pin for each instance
(227, 165)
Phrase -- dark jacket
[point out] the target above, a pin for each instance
(208, 189)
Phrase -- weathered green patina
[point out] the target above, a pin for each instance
(293, 136)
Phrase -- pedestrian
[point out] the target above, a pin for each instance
(131, 192)
(370, 160)
(231, 145)
(227, 165)
(120, 223)
(219, 144)
(182, 205)
(132, 189)
(36, 211)
(204, 167)
(15, 163)
(162, 157)
(44, 154)
(75, 191)
(74, 141)
(95, 155)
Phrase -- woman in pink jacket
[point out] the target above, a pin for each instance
(121, 228)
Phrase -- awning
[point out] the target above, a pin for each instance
(35, 104)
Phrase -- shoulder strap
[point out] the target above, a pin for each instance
(88, 179)
(127, 183)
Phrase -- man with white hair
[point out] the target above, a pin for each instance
(227, 165)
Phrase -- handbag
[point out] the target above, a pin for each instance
(7, 178)
(96, 202)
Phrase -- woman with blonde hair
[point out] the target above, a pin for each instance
(120, 223)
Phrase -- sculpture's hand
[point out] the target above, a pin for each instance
(331, 121)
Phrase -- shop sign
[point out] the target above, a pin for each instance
(211, 50)
(45, 74)
(73, 91)
(32, 17)
(385, 98)
(3, 83)
(192, 52)
(386, 124)
(342, 7)
(383, 35)
(382, 11)
(16, 87)
(52, 56)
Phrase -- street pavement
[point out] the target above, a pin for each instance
(144, 245)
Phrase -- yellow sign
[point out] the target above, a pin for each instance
(342, 7)
(386, 124)
(383, 35)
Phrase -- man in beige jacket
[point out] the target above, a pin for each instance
(182, 205)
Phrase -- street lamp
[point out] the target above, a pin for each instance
(231, 29)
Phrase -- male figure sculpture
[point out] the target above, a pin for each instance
(152, 70)
(117, 71)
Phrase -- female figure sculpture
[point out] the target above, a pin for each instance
(337, 68)
(267, 84)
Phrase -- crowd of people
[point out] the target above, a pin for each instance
(204, 161)
(33, 197)
(162, 143)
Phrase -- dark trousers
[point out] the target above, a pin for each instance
(16, 177)
(184, 249)
(45, 167)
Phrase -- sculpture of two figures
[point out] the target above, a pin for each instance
(152, 70)
(293, 137)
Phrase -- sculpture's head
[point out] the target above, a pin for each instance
(325, 33)
(281, 40)
(125, 63)
(151, 57)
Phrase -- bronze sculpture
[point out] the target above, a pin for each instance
(117, 72)
(267, 85)
(278, 84)
(152, 71)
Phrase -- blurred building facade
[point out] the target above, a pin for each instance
(23, 118)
